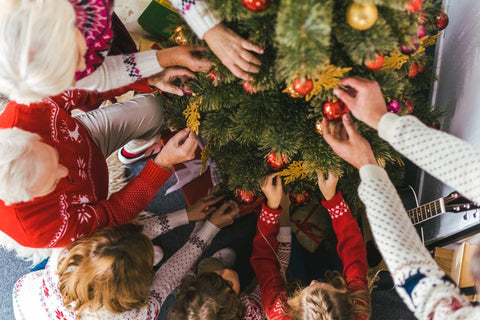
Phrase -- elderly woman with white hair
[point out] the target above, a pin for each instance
(46, 46)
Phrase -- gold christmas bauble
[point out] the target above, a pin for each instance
(381, 162)
(361, 16)
(179, 36)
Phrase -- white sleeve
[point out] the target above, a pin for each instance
(156, 225)
(284, 238)
(121, 70)
(197, 14)
(447, 158)
(422, 285)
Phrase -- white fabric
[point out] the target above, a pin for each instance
(197, 15)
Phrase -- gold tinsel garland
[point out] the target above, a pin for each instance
(192, 115)
(326, 77)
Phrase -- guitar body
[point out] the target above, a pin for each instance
(442, 221)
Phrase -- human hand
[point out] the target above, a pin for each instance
(348, 143)
(180, 148)
(233, 51)
(368, 105)
(327, 187)
(163, 80)
(272, 192)
(202, 208)
(225, 215)
(188, 57)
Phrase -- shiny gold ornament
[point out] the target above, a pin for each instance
(325, 77)
(361, 16)
(291, 92)
(179, 37)
(381, 162)
(296, 170)
(319, 127)
(192, 115)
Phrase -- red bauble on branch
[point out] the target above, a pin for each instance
(299, 199)
(248, 87)
(442, 21)
(245, 197)
(277, 160)
(413, 5)
(302, 86)
(334, 110)
(257, 5)
(375, 64)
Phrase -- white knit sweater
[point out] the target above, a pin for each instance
(423, 286)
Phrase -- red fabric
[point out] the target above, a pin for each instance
(266, 265)
(350, 246)
(78, 205)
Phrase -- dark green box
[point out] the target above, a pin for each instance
(160, 19)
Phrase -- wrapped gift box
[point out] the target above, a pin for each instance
(160, 19)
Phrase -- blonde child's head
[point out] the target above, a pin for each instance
(328, 301)
(112, 269)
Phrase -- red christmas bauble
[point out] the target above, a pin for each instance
(413, 5)
(212, 76)
(421, 32)
(442, 21)
(245, 197)
(248, 87)
(413, 71)
(299, 199)
(257, 5)
(411, 47)
(277, 160)
(410, 106)
(334, 110)
(302, 88)
(375, 64)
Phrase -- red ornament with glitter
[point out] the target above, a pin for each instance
(248, 87)
(413, 5)
(277, 160)
(394, 106)
(245, 197)
(299, 199)
(257, 5)
(421, 32)
(375, 64)
(302, 87)
(442, 21)
(410, 106)
(334, 110)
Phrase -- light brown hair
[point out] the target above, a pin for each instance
(204, 297)
(335, 303)
(112, 269)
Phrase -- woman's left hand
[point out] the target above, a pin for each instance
(328, 187)
(203, 208)
(188, 57)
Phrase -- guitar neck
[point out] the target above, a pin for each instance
(427, 211)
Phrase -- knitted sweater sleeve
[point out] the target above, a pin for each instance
(172, 272)
(422, 285)
(121, 207)
(197, 14)
(447, 158)
(350, 245)
(156, 225)
(121, 70)
(266, 265)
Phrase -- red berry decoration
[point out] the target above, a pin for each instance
(302, 88)
(375, 64)
(248, 87)
(442, 21)
(212, 76)
(413, 5)
(334, 110)
(257, 5)
(277, 160)
(413, 71)
(410, 106)
(245, 197)
(299, 199)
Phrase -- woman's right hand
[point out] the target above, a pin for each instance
(188, 57)
(225, 215)
(180, 148)
(273, 192)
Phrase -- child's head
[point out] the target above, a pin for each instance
(112, 269)
(328, 301)
(207, 296)
(40, 48)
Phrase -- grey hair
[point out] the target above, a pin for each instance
(37, 48)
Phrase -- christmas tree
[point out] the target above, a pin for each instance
(271, 124)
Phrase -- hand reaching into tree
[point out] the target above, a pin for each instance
(188, 57)
(273, 190)
(203, 208)
(163, 80)
(348, 143)
(233, 51)
(328, 187)
(368, 104)
(225, 215)
(180, 148)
